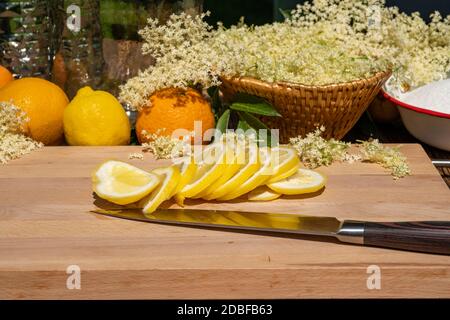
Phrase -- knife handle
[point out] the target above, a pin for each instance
(423, 236)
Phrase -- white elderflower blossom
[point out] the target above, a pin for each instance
(165, 147)
(13, 143)
(323, 42)
(314, 151)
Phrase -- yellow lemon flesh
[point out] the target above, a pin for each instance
(121, 183)
(234, 164)
(170, 177)
(285, 162)
(257, 179)
(263, 193)
(304, 181)
(96, 118)
(210, 165)
(187, 167)
(251, 166)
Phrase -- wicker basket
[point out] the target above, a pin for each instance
(337, 106)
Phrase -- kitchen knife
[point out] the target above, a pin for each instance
(424, 236)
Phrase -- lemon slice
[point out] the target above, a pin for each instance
(187, 168)
(285, 162)
(233, 166)
(209, 169)
(284, 175)
(251, 165)
(304, 181)
(121, 183)
(263, 193)
(257, 179)
(170, 177)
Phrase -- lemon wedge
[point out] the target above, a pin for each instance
(257, 179)
(263, 193)
(251, 165)
(209, 169)
(187, 168)
(122, 183)
(304, 181)
(285, 163)
(170, 177)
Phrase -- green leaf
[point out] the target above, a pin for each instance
(252, 121)
(257, 125)
(216, 103)
(253, 104)
(243, 125)
(222, 123)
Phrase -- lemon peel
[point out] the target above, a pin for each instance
(285, 163)
(257, 179)
(187, 167)
(170, 177)
(234, 164)
(251, 166)
(209, 168)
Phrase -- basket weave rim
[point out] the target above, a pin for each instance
(378, 75)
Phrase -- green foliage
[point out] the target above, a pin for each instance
(247, 108)
(248, 103)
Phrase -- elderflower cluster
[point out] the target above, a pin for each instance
(184, 57)
(389, 158)
(323, 42)
(314, 151)
(13, 143)
(165, 147)
(136, 155)
(419, 52)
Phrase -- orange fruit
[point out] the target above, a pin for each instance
(44, 104)
(5, 77)
(172, 109)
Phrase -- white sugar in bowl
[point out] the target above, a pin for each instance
(425, 113)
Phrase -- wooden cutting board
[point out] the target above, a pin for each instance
(46, 226)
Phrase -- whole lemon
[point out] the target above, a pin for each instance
(44, 104)
(96, 118)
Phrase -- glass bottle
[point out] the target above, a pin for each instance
(79, 58)
(25, 37)
(122, 45)
(121, 21)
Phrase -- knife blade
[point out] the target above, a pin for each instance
(421, 236)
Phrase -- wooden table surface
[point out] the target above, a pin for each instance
(46, 226)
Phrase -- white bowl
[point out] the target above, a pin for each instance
(426, 125)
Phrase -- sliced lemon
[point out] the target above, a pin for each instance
(263, 193)
(187, 168)
(284, 175)
(209, 169)
(122, 183)
(251, 165)
(304, 181)
(257, 179)
(285, 162)
(170, 177)
(233, 166)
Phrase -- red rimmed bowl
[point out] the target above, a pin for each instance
(426, 125)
